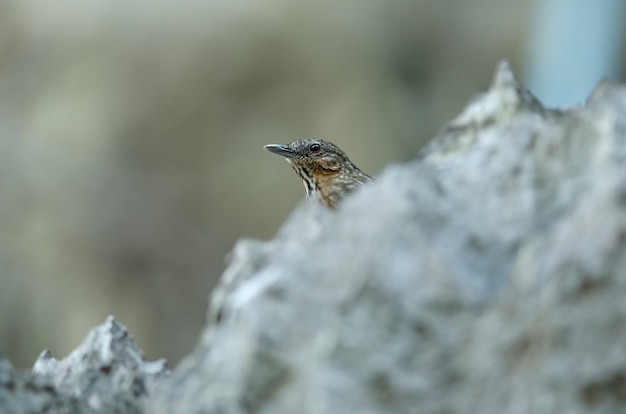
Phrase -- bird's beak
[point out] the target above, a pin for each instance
(279, 149)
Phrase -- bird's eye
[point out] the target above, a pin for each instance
(315, 147)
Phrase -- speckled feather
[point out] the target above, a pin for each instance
(326, 171)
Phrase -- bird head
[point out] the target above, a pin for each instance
(313, 156)
(326, 171)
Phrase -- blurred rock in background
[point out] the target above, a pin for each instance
(131, 135)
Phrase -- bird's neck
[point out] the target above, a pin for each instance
(329, 186)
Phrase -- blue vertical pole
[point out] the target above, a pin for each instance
(572, 45)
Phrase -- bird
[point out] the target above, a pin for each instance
(326, 171)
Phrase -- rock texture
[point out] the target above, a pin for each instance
(486, 276)
(105, 374)
(22, 393)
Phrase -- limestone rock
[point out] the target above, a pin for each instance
(487, 276)
(22, 393)
(105, 374)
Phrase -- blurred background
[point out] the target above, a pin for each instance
(131, 133)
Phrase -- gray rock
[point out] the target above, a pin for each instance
(22, 393)
(105, 374)
(486, 276)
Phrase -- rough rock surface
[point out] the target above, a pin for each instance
(486, 276)
(22, 393)
(105, 374)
